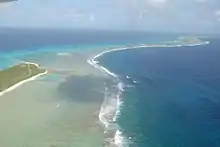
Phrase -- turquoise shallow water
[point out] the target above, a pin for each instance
(41, 113)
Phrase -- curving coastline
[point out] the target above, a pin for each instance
(118, 139)
(24, 81)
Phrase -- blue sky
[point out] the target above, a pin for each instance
(153, 15)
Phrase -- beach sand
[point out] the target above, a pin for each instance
(58, 112)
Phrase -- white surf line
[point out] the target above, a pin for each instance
(24, 81)
(93, 62)
(25, 62)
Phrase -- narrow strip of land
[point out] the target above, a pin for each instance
(17, 75)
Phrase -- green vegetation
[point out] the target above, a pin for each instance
(185, 41)
(189, 40)
(17, 73)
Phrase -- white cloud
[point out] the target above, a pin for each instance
(217, 13)
(158, 1)
(77, 16)
(143, 14)
(201, 1)
(92, 17)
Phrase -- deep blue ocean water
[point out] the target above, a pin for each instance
(32, 39)
(176, 100)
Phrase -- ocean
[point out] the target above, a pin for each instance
(18, 43)
(167, 97)
(171, 95)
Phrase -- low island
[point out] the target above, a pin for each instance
(17, 75)
(187, 41)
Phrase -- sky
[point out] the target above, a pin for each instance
(149, 15)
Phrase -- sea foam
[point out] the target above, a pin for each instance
(113, 102)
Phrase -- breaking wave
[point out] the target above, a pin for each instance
(111, 107)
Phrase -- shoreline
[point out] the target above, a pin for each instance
(24, 81)
(118, 136)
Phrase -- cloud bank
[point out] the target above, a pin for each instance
(153, 15)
